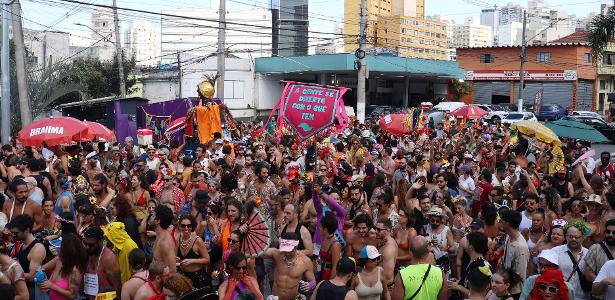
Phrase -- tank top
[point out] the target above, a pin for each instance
(562, 189)
(330, 291)
(526, 222)
(440, 238)
(369, 292)
(61, 283)
(23, 260)
(412, 276)
(301, 246)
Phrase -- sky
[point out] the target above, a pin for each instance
(62, 16)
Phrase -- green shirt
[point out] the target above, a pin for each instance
(412, 276)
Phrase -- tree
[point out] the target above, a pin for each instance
(101, 78)
(460, 89)
(601, 32)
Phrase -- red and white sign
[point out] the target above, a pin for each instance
(557, 75)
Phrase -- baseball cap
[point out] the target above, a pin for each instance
(370, 252)
(288, 245)
(219, 141)
(374, 152)
(91, 155)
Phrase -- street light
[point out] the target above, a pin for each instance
(105, 37)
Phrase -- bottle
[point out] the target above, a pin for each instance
(40, 277)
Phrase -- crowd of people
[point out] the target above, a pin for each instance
(469, 212)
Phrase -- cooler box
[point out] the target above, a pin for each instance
(145, 136)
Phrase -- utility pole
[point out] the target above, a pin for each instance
(179, 70)
(221, 48)
(6, 83)
(20, 65)
(522, 67)
(362, 63)
(118, 52)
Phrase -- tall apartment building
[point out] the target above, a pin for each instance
(103, 28)
(510, 13)
(491, 17)
(352, 16)
(472, 34)
(248, 33)
(510, 34)
(140, 39)
(397, 26)
(289, 27)
(413, 37)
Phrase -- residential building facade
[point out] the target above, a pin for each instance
(352, 15)
(141, 40)
(102, 27)
(46, 46)
(510, 34)
(562, 70)
(413, 37)
(471, 34)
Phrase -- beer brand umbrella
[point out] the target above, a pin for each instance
(469, 112)
(54, 131)
(176, 125)
(101, 132)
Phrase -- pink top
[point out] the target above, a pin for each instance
(61, 283)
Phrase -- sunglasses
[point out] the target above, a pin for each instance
(380, 229)
(435, 221)
(375, 259)
(549, 288)
(607, 232)
(231, 241)
(241, 268)
(185, 225)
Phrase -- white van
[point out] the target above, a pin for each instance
(448, 106)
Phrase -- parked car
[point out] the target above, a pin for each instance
(496, 112)
(375, 111)
(448, 106)
(585, 113)
(515, 117)
(551, 112)
(597, 123)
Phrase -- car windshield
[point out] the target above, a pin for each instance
(514, 116)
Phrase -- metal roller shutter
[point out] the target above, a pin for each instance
(585, 90)
(557, 93)
(529, 93)
(500, 88)
(482, 92)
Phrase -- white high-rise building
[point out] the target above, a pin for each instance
(545, 24)
(141, 40)
(491, 17)
(320, 43)
(510, 34)
(511, 13)
(200, 37)
(472, 34)
(103, 28)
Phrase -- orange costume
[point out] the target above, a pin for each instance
(208, 122)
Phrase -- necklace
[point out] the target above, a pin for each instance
(290, 262)
(185, 245)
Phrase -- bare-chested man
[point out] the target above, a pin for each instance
(361, 235)
(153, 286)
(21, 205)
(387, 164)
(388, 247)
(163, 245)
(291, 266)
(137, 260)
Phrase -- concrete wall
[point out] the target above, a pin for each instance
(47, 46)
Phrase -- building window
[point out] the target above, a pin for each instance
(587, 58)
(487, 58)
(608, 58)
(543, 57)
(603, 84)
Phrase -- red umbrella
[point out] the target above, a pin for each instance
(54, 131)
(395, 124)
(469, 112)
(176, 125)
(101, 132)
